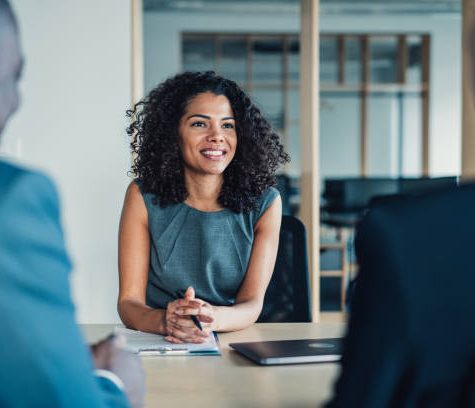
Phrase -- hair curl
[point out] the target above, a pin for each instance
(158, 163)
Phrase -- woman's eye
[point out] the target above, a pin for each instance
(228, 126)
(198, 124)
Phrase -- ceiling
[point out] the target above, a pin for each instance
(292, 6)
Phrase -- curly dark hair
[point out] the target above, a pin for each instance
(158, 163)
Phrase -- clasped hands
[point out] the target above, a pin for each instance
(179, 325)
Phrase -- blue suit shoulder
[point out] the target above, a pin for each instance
(50, 360)
(29, 212)
(26, 186)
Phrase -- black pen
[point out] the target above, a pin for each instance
(196, 322)
(193, 317)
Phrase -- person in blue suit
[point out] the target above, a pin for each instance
(44, 361)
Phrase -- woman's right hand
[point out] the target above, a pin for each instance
(181, 328)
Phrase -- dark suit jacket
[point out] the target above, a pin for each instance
(411, 335)
(43, 359)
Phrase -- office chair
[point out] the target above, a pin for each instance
(283, 185)
(287, 298)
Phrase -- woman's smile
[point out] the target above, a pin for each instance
(214, 154)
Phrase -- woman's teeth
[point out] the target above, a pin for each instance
(213, 153)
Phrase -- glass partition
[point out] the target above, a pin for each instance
(353, 71)
(414, 58)
(339, 134)
(372, 87)
(267, 61)
(383, 59)
(232, 62)
(199, 54)
(328, 59)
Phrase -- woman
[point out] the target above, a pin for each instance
(200, 224)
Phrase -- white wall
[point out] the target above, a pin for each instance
(76, 88)
(162, 48)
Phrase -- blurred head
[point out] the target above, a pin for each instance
(10, 63)
(164, 120)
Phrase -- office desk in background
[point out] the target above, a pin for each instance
(231, 380)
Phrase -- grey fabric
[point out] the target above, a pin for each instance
(207, 250)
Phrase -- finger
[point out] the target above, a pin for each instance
(204, 334)
(187, 310)
(179, 333)
(198, 340)
(209, 326)
(190, 293)
(207, 331)
(205, 318)
(103, 342)
(195, 339)
(202, 310)
(119, 341)
(102, 351)
(183, 321)
(189, 303)
(207, 310)
(184, 328)
(174, 340)
(179, 303)
(187, 334)
(105, 345)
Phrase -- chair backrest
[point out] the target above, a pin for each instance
(355, 193)
(287, 298)
(283, 185)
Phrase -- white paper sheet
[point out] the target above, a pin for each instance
(155, 344)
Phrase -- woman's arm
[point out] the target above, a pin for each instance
(134, 255)
(134, 258)
(250, 297)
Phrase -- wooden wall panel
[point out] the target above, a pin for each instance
(309, 119)
(468, 90)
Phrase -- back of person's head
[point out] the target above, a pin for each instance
(8, 25)
(10, 63)
(6, 12)
(411, 336)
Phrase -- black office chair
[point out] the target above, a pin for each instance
(287, 298)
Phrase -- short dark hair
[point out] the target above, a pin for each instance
(158, 163)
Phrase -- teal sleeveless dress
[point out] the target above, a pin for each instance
(207, 250)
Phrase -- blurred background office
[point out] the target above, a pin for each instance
(390, 93)
(390, 104)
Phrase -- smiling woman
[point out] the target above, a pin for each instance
(201, 213)
(207, 135)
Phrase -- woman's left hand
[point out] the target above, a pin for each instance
(182, 322)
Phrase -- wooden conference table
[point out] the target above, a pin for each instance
(231, 380)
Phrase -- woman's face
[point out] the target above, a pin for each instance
(207, 134)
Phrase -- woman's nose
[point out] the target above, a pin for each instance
(216, 134)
